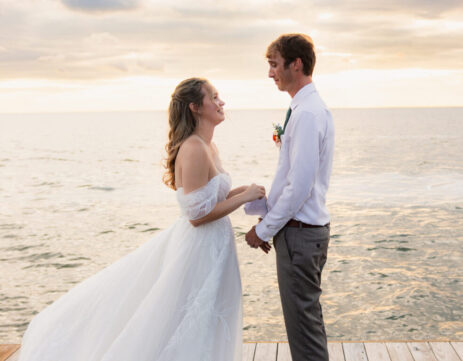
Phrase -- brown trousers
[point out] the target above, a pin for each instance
(301, 254)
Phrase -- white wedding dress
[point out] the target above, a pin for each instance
(175, 298)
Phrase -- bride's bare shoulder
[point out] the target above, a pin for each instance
(193, 150)
(192, 140)
(192, 165)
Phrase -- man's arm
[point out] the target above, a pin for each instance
(304, 157)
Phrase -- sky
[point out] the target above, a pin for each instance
(114, 55)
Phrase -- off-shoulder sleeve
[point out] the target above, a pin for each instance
(201, 201)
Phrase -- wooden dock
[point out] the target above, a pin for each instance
(339, 351)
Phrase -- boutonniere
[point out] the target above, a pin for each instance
(277, 132)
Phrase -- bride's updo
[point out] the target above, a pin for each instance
(181, 121)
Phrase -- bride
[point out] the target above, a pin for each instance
(178, 296)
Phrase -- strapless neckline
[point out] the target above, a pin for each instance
(209, 181)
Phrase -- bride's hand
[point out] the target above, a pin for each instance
(253, 192)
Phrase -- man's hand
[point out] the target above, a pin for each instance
(265, 246)
(254, 241)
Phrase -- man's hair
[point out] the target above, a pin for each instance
(293, 46)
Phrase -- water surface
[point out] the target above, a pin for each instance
(79, 191)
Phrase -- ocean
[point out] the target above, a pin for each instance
(80, 190)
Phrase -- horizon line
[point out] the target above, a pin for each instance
(231, 109)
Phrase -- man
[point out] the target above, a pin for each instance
(297, 217)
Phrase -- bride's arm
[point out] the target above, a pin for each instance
(195, 165)
(230, 204)
(236, 191)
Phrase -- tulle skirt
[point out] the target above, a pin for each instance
(175, 298)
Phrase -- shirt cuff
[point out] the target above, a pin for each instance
(261, 231)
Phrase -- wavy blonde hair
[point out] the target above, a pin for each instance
(181, 121)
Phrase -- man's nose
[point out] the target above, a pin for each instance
(271, 74)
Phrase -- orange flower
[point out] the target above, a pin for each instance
(277, 132)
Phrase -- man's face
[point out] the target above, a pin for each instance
(282, 77)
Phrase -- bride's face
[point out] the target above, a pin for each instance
(212, 107)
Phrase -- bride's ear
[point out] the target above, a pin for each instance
(193, 107)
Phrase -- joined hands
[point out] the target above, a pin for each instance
(254, 241)
(252, 193)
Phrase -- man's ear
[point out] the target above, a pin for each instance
(297, 63)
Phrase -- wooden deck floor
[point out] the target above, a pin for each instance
(339, 351)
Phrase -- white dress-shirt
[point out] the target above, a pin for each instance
(304, 166)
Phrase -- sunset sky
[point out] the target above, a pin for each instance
(105, 55)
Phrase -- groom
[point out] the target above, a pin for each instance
(297, 217)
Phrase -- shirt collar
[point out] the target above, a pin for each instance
(301, 94)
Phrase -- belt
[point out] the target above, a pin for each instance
(299, 224)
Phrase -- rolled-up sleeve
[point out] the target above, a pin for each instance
(303, 147)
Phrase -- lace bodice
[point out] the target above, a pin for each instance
(202, 201)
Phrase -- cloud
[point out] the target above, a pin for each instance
(101, 5)
(99, 41)
(422, 8)
(222, 38)
(226, 40)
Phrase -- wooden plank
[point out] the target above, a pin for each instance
(377, 351)
(335, 351)
(458, 346)
(421, 351)
(266, 352)
(7, 350)
(248, 351)
(354, 351)
(444, 351)
(14, 357)
(398, 351)
(284, 353)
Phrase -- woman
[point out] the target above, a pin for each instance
(178, 296)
